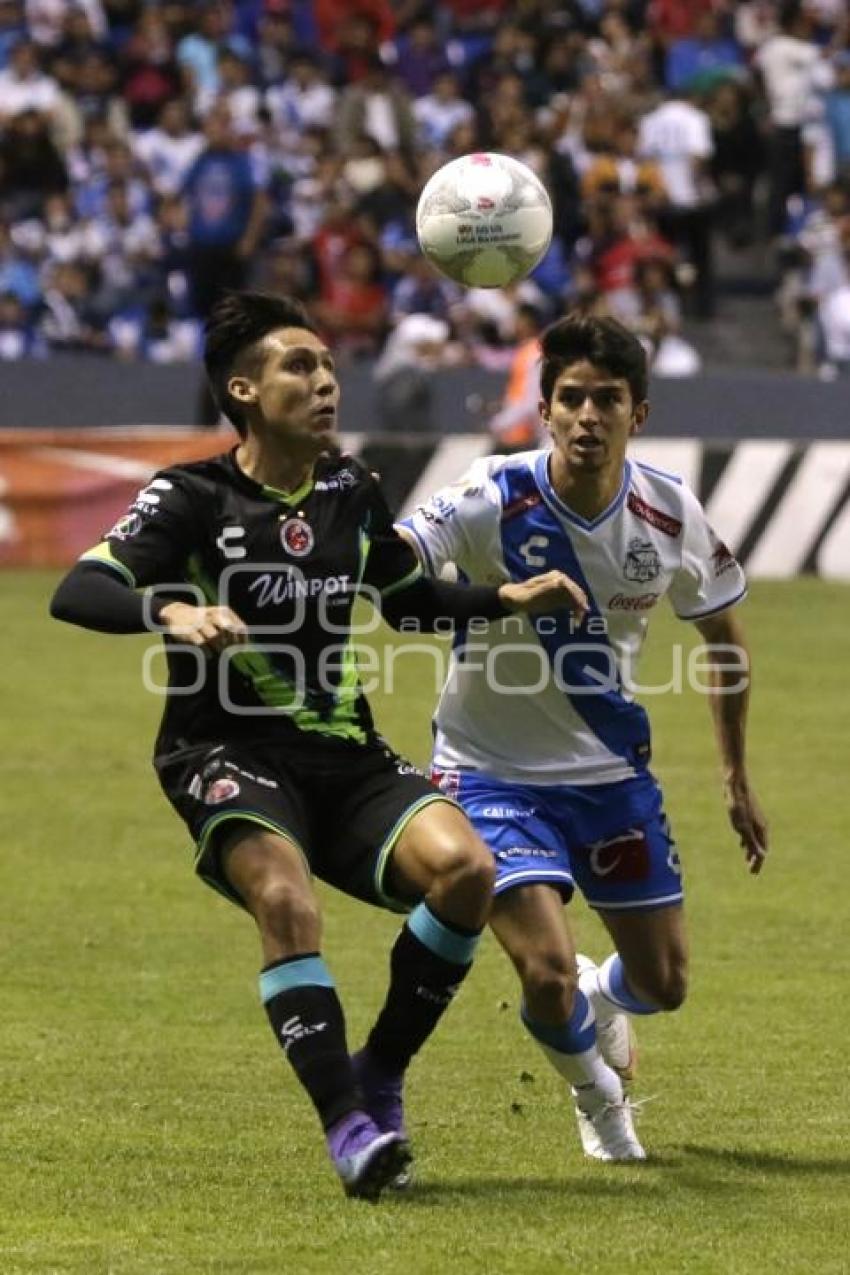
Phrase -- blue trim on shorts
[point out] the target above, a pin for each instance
(535, 876)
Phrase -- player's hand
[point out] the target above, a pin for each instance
(552, 591)
(746, 818)
(210, 628)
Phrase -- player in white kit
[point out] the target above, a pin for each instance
(537, 734)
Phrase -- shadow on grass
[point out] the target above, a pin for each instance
(525, 1191)
(701, 1170)
(775, 1162)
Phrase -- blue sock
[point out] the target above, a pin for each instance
(575, 1036)
(572, 1051)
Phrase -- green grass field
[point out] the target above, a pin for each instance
(148, 1124)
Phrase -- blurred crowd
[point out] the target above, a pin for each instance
(152, 154)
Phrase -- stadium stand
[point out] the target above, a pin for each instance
(697, 154)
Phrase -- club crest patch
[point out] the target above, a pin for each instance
(642, 562)
(221, 790)
(297, 537)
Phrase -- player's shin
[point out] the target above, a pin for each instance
(429, 960)
(302, 1005)
(572, 1050)
(603, 1113)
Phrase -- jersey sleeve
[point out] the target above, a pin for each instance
(710, 577)
(391, 563)
(448, 526)
(702, 144)
(151, 542)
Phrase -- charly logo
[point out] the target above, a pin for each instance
(642, 562)
(230, 543)
(294, 1030)
(149, 497)
(125, 527)
(297, 537)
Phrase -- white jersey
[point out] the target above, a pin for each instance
(543, 700)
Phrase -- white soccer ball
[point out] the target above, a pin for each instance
(484, 220)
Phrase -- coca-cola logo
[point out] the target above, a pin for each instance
(635, 602)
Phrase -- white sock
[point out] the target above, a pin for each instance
(604, 1009)
(593, 1082)
(572, 1050)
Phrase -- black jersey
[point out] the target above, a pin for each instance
(290, 565)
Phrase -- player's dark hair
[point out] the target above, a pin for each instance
(603, 342)
(790, 12)
(237, 322)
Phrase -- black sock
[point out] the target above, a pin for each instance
(308, 1022)
(423, 982)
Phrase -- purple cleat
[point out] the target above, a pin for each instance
(383, 1098)
(366, 1159)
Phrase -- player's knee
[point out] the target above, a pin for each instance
(670, 987)
(467, 864)
(549, 984)
(286, 910)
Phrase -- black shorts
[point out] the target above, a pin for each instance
(343, 805)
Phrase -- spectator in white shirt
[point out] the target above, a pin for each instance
(242, 99)
(378, 107)
(46, 19)
(754, 22)
(169, 150)
(788, 64)
(304, 100)
(441, 111)
(834, 315)
(23, 86)
(677, 135)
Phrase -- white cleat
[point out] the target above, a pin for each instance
(609, 1134)
(615, 1036)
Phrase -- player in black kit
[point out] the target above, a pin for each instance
(267, 747)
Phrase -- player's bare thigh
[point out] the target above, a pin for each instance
(438, 856)
(268, 872)
(530, 924)
(653, 946)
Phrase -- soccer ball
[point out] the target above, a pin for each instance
(484, 220)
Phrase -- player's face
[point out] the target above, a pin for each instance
(293, 395)
(591, 417)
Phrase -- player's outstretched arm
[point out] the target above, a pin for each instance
(94, 597)
(432, 603)
(552, 591)
(729, 700)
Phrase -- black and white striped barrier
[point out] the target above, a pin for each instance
(783, 507)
